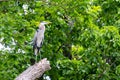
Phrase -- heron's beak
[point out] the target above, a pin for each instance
(49, 22)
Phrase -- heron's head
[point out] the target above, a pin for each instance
(42, 24)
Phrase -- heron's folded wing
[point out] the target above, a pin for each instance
(35, 38)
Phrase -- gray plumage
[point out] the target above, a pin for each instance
(38, 38)
(38, 41)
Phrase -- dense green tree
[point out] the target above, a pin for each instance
(82, 43)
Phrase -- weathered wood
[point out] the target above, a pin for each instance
(35, 71)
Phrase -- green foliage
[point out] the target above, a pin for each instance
(87, 29)
(12, 65)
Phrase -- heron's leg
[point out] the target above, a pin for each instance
(40, 56)
(36, 58)
(39, 52)
(35, 53)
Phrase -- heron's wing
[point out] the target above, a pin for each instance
(42, 42)
(35, 50)
(35, 38)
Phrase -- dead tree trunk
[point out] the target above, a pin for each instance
(35, 71)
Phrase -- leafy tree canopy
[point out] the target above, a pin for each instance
(82, 43)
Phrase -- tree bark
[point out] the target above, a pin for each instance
(35, 71)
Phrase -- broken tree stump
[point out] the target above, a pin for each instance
(35, 71)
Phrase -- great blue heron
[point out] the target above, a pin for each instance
(38, 38)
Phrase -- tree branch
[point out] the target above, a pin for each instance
(35, 71)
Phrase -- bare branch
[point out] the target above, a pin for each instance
(35, 71)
